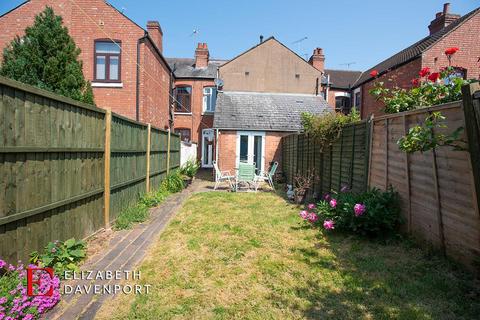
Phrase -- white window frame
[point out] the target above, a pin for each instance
(209, 91)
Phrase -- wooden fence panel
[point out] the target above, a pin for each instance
(344, 163)
(436, 187)
(52, 164)
(51, 161)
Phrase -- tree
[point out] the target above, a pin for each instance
(47, 57)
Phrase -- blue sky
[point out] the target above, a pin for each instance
(364, 32)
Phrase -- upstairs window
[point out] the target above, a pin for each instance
(183, 96)
(184, 133)
(107, 61)
(209, 99)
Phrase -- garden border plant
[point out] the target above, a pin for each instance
(139, 212)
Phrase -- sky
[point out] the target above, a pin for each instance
(359, 33)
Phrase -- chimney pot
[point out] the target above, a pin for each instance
(446, 8)
(261, 38)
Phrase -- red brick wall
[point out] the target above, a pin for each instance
(467, 39)
(227, 149)
(81, 26)
(196, 121)
(154, 87)
(400, 77)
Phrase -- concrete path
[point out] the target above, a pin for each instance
(126, 249)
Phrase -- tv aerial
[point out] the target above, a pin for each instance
(348, 64)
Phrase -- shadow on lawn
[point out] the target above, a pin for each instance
(382, 281)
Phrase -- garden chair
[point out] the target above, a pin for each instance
(246, 175)
(266, 177)
(221, 176)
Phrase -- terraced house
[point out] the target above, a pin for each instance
(445, 30)
(122, 60)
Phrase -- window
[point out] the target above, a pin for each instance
(342, 104)
(183, 96)
(107, 61)
(209, 99)
(184, 134)
(357, 99)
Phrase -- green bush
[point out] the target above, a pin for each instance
(60, 256)
(173, 182)
(190, 168)
(327, 127)
(373, 213)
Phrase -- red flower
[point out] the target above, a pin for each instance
(451, 51)
(434, 76)
(415, 81)
(424, 72)
(374, 73)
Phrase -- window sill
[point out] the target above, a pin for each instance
(208, 113)
(107, 84)
(183, 113)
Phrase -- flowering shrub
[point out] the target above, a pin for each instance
(60, 255)
(429, 89)
(14, 301)
(372, 213)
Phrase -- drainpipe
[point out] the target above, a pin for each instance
(137, 85)
(216, 145)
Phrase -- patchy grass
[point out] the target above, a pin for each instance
(249, 256)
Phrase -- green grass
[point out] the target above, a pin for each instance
(249, 256)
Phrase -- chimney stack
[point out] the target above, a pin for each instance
(442, 19)
(317, 60)
(261, 38)
(155, 32)
(201, 55)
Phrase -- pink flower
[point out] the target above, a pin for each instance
(304, 215)
(3, 300)
(11, 267)
(28, 317)
(329, 224)
(326, 197)
(359, 209)
(344, 189)
(333, 203)
(311, 206)
(312, 217)
(2, 264)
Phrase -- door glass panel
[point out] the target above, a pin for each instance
(244, 148)
(257, 153)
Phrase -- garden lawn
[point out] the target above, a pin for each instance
(250, 256)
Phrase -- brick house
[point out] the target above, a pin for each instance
(446, 30)
(123, 61)
(265, 90)
(195, 95)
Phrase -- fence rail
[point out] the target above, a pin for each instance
(68, 169)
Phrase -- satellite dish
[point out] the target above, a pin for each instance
(218, 82)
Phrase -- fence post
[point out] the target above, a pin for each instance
(147, 180)
(471, 109)
(168, 152)
(370, 149)
(407, 175)
(106, 183)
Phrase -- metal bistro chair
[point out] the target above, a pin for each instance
(221, 176)
(267, 177)
(246, 175)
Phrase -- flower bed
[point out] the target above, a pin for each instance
(373, 213)
(15, 303)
